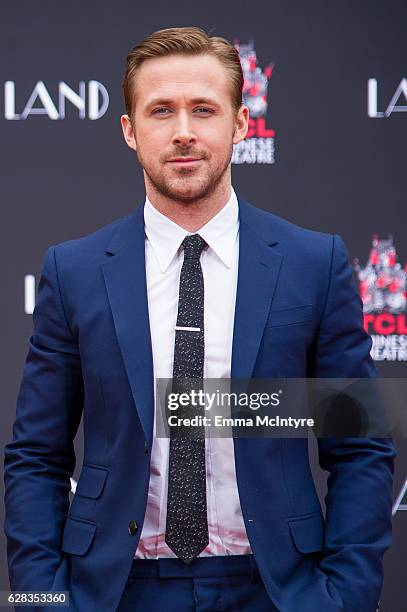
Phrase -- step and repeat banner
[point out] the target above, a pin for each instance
(326, 85)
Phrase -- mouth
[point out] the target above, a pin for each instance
(185, 161)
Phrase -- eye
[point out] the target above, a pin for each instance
(161, 111)
(201, 110)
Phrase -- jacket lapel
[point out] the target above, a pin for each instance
(125, 278)
(258, 271)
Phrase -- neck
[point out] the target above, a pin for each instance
(194, 214)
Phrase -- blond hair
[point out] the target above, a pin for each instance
(183, 41)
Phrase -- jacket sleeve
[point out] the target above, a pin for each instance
(359, 496)
(40, 459)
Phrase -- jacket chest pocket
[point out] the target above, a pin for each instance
(290, 330)
(287, 336)
(296, 315)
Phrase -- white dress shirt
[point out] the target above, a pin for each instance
(164, 258)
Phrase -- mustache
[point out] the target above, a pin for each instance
(185, 153)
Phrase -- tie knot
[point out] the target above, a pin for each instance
(193, 246)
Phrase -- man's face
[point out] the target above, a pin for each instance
(184, 125)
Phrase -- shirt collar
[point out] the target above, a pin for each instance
(166, 236)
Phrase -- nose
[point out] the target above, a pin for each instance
(183, 134)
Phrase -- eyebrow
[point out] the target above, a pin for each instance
(169, 101)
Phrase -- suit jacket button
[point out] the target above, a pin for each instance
(133, 527)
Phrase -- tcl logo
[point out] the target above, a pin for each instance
(385, 323)
(91, 100)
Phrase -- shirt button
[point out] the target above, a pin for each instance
(133, 527)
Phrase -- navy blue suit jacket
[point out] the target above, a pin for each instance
(298, 313)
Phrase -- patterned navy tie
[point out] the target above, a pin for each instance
(187, 525)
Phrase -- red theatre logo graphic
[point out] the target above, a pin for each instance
(259, 144)
(383, 289)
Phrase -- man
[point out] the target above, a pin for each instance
(198, 283)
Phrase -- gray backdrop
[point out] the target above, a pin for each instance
(337, 159)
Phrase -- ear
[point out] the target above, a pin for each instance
(241, 124)
(128, 132)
